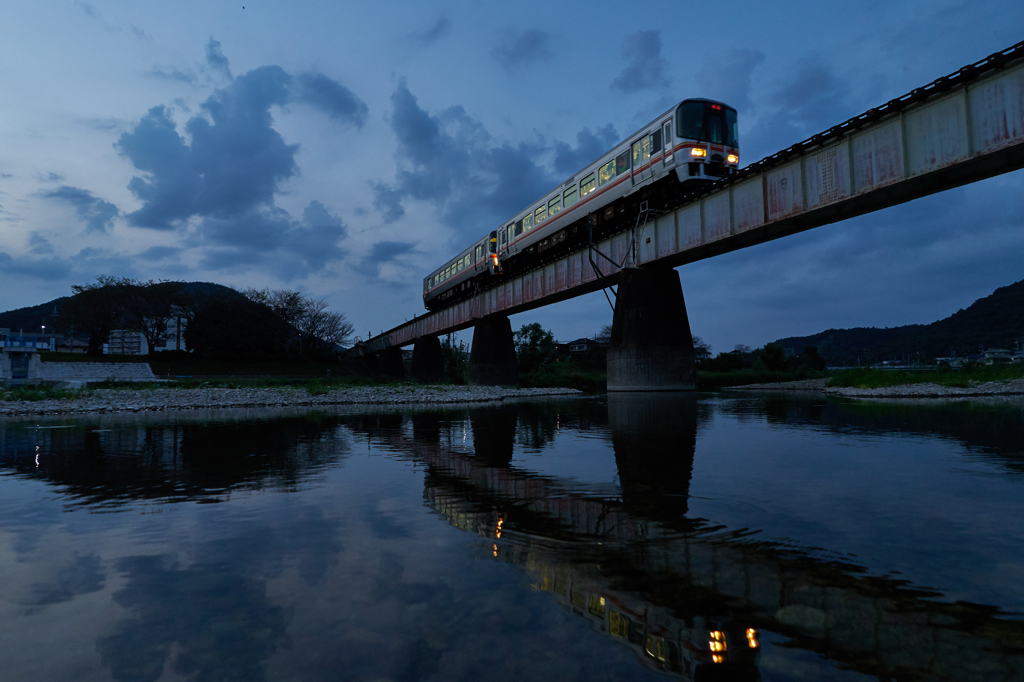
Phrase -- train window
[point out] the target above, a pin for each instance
(622, 163)
(656, 141)
(690, 120)
(541, 214)
(512, 231)
(668, 136)
(570, 196)
(527, 222)
(607, 172)
(636, 155)
(731, 129)
(479, 252)
(587, 185)
(555, 205)
(645, 146)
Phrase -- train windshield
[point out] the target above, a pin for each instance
(707, 122)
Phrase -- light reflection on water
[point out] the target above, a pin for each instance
(702, 537)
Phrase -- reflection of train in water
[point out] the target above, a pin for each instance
(704, 649)
(695, 141)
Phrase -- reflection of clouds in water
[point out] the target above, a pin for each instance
(82, 575)
(220, 625)
(299, 536)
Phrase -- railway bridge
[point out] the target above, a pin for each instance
(958, 129)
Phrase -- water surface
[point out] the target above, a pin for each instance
(709, 537)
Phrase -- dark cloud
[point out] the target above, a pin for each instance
(49, 177)
(216, 60)
(89, 10)
(45, 269)
(98, 215)
(383, 252)
(516, 49)
(39, 245)
(173, 74)
(589, 146)
(236, 160)
(727, 76)
(83, 575)
(810, 99)
(269, 237)
(6, 175)
(428, 37)
(159, 253)
(330, 97)
(645, 68)
(450, 161)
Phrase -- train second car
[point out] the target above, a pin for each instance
(693, 142)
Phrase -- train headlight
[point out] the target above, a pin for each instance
(732, 158)
(698, 152)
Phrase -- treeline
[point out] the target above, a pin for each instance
(217, 322)
(995, 321)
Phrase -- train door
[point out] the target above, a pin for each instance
(666, 140)
(640, 154)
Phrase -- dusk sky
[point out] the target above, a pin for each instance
(346, 149)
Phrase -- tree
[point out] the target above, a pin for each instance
(535, 346)
(701, 346)
(150, 306)
(320, 329)
(308, 325)
(604, 334)
(95, 309)
(229, 327)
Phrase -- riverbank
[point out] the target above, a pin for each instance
(922, 390)
(105, 400)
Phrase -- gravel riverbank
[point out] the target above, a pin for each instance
(105, 400)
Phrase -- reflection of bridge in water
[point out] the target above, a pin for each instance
(687, 596)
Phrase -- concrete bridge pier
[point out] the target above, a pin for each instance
(427, 361)
(651, 346)
(492, 362)
(389, 363)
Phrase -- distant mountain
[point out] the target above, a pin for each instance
(31, 319)
(996, 321)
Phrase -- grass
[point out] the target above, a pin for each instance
(35, 393)
(963, 378)
(712, 381)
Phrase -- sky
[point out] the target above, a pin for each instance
(346, 149)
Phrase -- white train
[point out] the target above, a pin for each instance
(695, 141)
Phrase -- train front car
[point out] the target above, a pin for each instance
(707, 137)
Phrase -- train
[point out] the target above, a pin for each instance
(694, 142)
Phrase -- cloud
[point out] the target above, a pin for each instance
(428, 37)
(235, 160)
(98, 215)
(385, 251)
(216, 60)
(451, 161)
(49, 177)
(810, 99)
(269, 237)
(6, 175)
(589, 146)
(159, 253)
(646, 69)
(330, 97)
(517, 49)
(727, 76)
(39, 245)
(173, 74)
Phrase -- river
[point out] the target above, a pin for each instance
(697, 537)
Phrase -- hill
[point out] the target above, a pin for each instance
(31, 319)
(995, 321)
